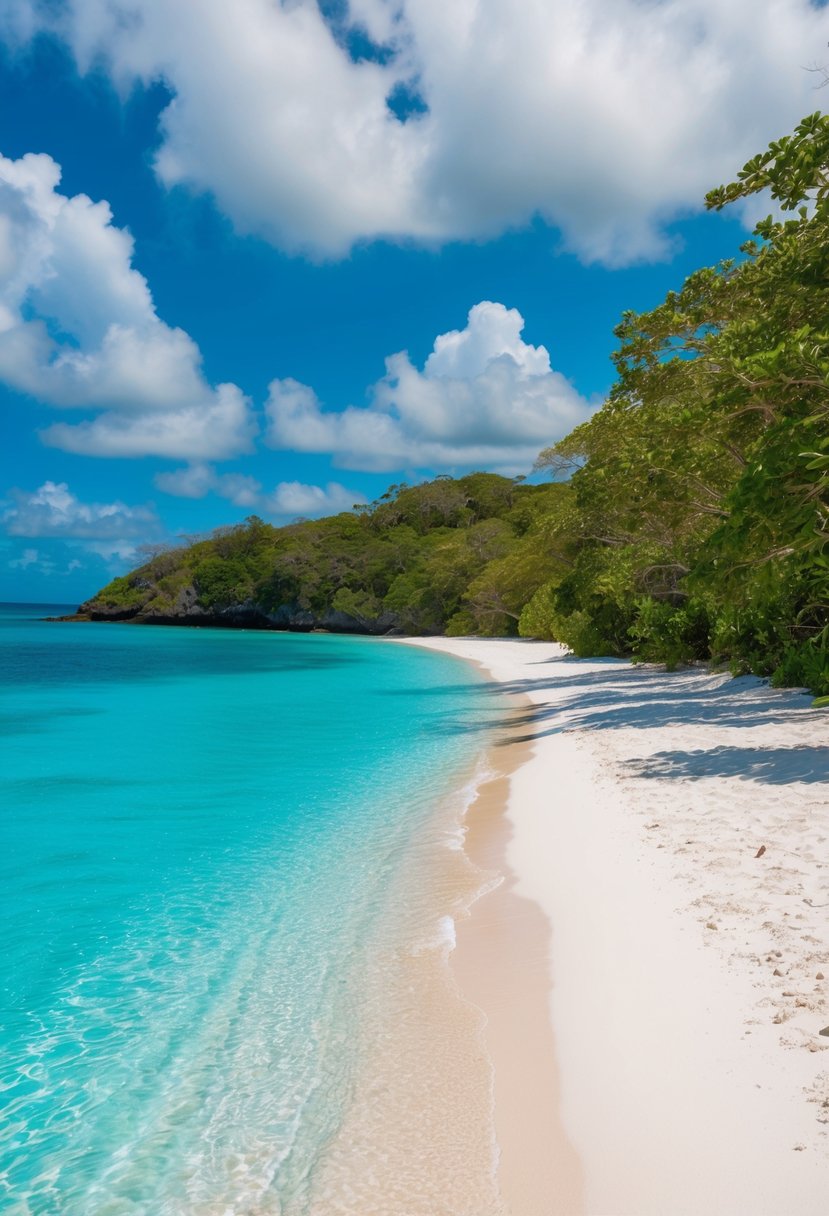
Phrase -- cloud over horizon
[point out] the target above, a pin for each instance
(485, 398)
(607, 118)
(288, 498)
(293, 498)
(52, 511)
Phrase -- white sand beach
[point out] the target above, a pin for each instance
(674, 830)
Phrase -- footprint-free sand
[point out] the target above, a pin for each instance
(660, 947)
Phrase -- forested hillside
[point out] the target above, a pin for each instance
(463, 555)
(694, 521)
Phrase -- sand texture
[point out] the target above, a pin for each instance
(674, 829)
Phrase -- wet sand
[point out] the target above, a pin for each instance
(502, 964)
(455, 1108)
(672, 832)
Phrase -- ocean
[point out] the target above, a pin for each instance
(209, 839)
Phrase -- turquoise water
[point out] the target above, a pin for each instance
(200, 829)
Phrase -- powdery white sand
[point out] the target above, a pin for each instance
(687, 972)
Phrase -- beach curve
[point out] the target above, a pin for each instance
(672, 828)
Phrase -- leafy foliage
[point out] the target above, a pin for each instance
(695, 524)
(468, 551)
(702, 486)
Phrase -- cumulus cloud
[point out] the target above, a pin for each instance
(66, 269)
(220, 428)
(606, 117)
(199, 480)
(296, 498)
(53, 511)
(484, 398)
(287, 498)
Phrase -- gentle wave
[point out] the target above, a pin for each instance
(211, 859)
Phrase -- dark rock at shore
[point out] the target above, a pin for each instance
(287, 618)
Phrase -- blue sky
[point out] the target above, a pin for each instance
(276, 263)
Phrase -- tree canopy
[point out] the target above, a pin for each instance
(702, 495)
(462, 555)
(695, 521)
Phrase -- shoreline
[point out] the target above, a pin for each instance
(685, 989)
(419, 1121)
(501, 963)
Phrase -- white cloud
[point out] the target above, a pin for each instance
(492, 332)
(606, 117)
(287, 498)
(220, 428)
(199, 480)
(53, 511)
(485, 398)
(29, 557)
(66, 269)
(242, 489)
(122, 550)
(193, 481)
(295, 498)
(43, 563)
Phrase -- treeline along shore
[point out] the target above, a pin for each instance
(690, 515)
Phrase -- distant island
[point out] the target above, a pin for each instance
(691, 521)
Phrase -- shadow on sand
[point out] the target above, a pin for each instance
(619, 696)
(772, 765)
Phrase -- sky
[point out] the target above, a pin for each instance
(272, 257)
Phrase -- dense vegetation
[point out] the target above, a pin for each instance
(701, 496)
(695, 521)
(463, 555)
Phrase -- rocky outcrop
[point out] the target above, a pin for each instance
(286, 618)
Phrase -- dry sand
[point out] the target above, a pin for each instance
(680, 1053)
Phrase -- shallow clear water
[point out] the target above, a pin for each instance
(198, 833)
